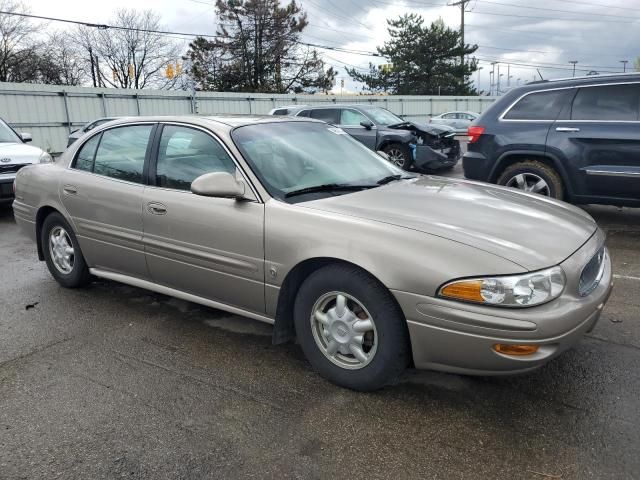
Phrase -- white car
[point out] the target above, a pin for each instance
(458, 120)
(15, 154)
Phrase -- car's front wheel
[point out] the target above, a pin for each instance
(399, 155)
(62, 252)
(350, 329)
(533, 177)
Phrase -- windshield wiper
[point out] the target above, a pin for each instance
(392, 178)
(328, 187)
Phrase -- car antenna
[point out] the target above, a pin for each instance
(538, 70)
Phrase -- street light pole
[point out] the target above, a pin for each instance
(574, 66)
(493, 77)
(479, 68)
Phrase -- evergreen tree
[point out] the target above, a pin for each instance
(424, 60)
(258, 49)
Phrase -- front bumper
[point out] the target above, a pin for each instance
(6, 187)
(427, 158)
(457, 337)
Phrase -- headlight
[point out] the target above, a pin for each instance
(45, 158)
(524, 290)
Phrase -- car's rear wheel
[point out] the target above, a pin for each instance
(62, 252)
(533, 177)
(399, 155)
(350, 329)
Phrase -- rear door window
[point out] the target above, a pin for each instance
(607, 103)
(538, 106)
(84, 158)
(122, 151)
(329, 115)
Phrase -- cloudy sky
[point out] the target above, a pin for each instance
(522, 35)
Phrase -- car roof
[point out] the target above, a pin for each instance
(338, 105)
(587, 80)
(223, 121)
(460, 111)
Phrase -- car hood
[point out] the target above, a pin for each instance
(434, 129)
(18, 154)
(531, 231)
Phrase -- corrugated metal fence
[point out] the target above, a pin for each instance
(51, 112)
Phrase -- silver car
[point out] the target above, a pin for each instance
(294, 223)
(460, 121)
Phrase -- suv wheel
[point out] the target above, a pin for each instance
(399, 155)
(533, 177)
(62, 253)
(350, 329)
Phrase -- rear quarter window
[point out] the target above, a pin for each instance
(538, 106)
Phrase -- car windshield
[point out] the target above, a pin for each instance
(7, 135)
(382, 116)
(316, 158)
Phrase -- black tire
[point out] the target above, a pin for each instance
(396, 150)
(79, 275)
(393, 353)
(532, 167)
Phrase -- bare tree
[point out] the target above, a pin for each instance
(61, 61)
(17, 48)
(131, 56)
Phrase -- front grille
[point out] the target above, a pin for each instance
(12, 168)
(592, 273)
(6, 190)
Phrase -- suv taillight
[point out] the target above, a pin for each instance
(474, 133)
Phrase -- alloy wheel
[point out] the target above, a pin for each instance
(530, 182)
(396, 156)
(344, 331)
(61, 250)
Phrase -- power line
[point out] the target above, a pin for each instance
(552, 9)
(599, 5)
(104, 26)
(566, 19)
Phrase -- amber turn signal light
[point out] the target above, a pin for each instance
(515, 349)
(465, 290)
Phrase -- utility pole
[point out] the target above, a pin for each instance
(479, 68)
(498, 82)
(463, 6)
(624, 63)
(493, 76)
(574, 66)
(508, 75)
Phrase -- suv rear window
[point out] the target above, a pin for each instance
(614, 102)
(538, 106)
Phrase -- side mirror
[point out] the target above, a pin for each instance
(217, 184)
(368, 124)
(26, 137)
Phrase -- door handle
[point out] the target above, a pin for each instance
(156, 208)
(70, 190)
(567, 129)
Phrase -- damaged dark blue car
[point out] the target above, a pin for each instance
(425, 147)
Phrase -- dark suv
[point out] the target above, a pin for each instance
(576, 139)
(407, 144)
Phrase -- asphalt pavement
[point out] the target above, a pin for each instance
(116, 382)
